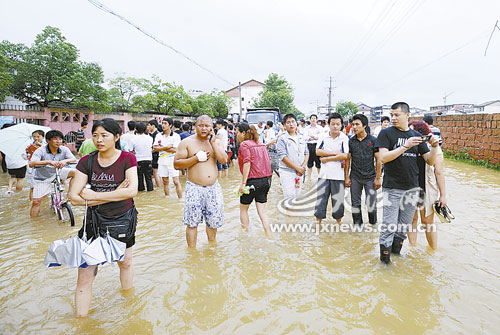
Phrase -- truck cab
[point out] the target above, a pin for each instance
(256, 115)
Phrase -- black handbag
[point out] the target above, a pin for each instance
(121, 227)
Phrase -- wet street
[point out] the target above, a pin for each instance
(327, 283)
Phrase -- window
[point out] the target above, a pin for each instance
(76, 117)
(66, 116)
(85, 117)
(54, 116)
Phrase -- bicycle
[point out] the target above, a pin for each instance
(58, 201)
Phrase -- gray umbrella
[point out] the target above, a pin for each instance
(65, 252)
(104, 250)
(68, 252)
(75, 251)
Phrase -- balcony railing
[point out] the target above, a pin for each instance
(4, 107)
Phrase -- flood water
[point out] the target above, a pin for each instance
(327, 283)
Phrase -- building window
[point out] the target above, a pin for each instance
(66, 117)
(76, 117)
(85, 117)
(54, 116)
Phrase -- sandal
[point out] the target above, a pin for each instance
(443, 213)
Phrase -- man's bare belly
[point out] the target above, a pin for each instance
(204, 173)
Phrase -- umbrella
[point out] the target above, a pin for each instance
(68, 252)
(65, 252)
(14, 140)
(75, 251)
(104, 250)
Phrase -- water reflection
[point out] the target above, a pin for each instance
(296, 283)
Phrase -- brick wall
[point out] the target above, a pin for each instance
(478, 133)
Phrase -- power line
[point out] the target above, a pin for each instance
(489, 40)
(413, 8)
(110, 11)
(420, 68)
(376, 24)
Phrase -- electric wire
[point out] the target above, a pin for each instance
(110, 11)
(364, 40)
(420, 68)
(413, 8)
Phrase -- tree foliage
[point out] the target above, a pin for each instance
(346, 108)
(214, 104)
(277, 92)
(162, 97)
(49, 71)
(123, 89)
(6, 76)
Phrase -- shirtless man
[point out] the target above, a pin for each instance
(204, 200)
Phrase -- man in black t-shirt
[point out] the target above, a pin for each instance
(363, 175)
(399, 147)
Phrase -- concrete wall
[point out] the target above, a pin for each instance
(478, 133)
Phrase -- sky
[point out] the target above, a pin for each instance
(376, 51)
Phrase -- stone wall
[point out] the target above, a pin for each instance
(479, 134)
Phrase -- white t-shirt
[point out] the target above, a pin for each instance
(125, 141)
(167, 158)
(333, 170)
(143, 146)
(15, 162)
(313, 131)
(223, 137)
(269, 134)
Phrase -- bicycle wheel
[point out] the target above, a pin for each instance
(66, 213)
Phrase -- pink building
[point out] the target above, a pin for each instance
(69, 120)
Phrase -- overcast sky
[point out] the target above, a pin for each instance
(377, 51)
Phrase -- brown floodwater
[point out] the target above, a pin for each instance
(326, 283)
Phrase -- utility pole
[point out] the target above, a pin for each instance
(239, 95)
(330, 96)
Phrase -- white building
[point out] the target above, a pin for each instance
(249, 93)
(12, 103)
(415, 111)
(365, 110)
(488, 107)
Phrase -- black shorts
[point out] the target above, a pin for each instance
(259, 194)
(18, 173)
(313, 159)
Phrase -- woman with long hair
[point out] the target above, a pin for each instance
(432, 189)
(255, 168)
(113, 185)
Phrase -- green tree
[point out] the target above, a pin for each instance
(220, 104)
(123, 89)
(5, 77)
(163, 97)
(49, 71)
(277, 92)
(346, 108)
(215, 104)
(298, 114)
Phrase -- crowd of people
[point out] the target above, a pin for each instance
(403, 158)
